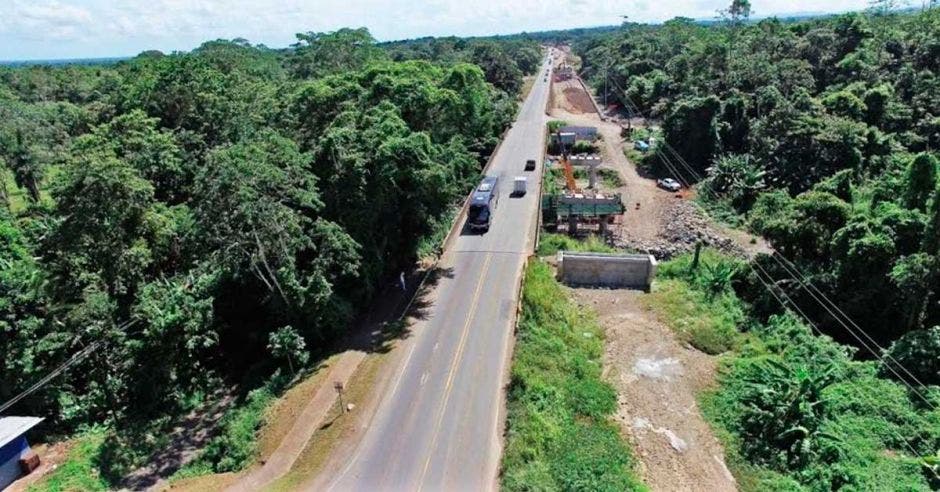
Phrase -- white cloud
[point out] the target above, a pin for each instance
(47, 20)
(106, 27)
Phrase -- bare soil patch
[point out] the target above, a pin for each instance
(657, 379)
(578, 99)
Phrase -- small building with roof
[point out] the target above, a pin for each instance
(16, 458)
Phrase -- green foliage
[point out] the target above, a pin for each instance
(918, 352)
(736, 177)
(318, 54)
(550, 244)
(920, 181)
(236, 445)
(583, 147)
(503, 60)
(285, 343)
(558, 433)
(555, 125)
(185, 210)
(692, 129)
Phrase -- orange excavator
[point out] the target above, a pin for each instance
(566, 166)
(570, 184)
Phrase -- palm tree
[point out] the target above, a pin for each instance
(737, 177)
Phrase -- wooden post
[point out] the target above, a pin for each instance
(695, 259)
(338, 386)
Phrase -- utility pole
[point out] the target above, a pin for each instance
(695, 259)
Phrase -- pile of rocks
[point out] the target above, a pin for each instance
(683, 226)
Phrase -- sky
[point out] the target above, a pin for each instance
(55, 29)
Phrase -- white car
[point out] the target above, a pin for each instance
(668, 184)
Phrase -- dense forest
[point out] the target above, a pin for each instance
(198, 220)
(820, 135)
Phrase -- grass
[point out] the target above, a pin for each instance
(527, 83)
(17, 196)
(699, 303)
(608, 177)
(721, 210)
(325, 440)
(549, 244)
(710, 326)
(78, 471)
(237, 445)
(558, 432)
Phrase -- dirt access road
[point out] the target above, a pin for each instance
(657, 377)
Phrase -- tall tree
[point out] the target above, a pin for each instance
(920, 181)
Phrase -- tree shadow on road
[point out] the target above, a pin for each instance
(413, 305)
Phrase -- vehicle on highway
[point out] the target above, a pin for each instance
(483, 204)
(530, 165)
(668, 184)
(519, 185)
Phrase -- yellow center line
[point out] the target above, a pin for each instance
(453, 369)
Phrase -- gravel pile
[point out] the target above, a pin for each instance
(683, 225)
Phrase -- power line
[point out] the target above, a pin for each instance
(808, 286)
(802, 280)
(673, 169)
(819, 332)
(881, 356)
(74, 359)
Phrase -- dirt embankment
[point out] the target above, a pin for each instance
(657, 379)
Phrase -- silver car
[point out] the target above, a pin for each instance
(668, 184)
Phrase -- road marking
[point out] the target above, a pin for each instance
(384, 403)
(453, 369)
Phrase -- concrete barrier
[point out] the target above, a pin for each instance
(606, 270)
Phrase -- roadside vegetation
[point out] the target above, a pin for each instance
(551, 243)
(558, 432)
(216, 219)
(697, 302)
(794, 409)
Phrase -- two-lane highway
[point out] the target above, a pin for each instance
(438, 425)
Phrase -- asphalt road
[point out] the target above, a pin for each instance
(438, 425)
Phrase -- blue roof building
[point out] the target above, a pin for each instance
(13, 446)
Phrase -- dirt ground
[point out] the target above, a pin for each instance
(572, 98)
(648, 207)
(657, 379)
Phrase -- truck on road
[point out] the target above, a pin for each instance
(519, 185)
(483, 204)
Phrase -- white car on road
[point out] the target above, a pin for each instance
(668, 184)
